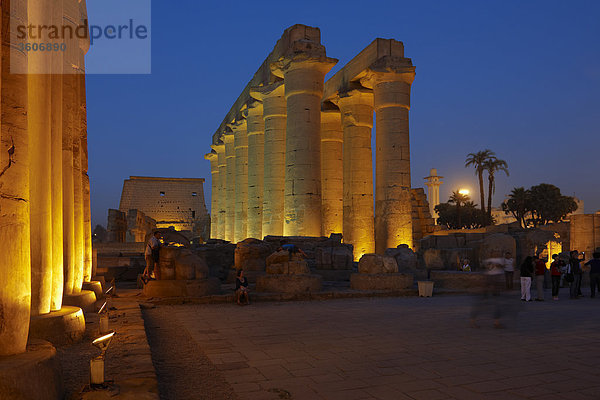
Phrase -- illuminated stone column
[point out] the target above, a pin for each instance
(256, 162)
(304, 77)
(240, 144)
(222, 196)
(15, 256)
(40, 152)
(275, 116)
(85, 185)
(433, 183)
(331, 171)
(391, 80)
(356, 107)
(214, 193)
(230, 187)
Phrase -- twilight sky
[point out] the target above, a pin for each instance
(519, 77)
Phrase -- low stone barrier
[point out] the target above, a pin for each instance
(458, 279)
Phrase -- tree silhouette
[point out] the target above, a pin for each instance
(477, 160)
(493, 165)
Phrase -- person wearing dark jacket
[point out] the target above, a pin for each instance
(575, 269)
(594, 265)
(526, 274)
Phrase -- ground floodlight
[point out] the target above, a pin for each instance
(97, 363)
(110, 289)
(103, 308)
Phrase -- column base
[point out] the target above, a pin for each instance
(61, 327)
(99, 278)
(33, 375)
(86, 300)
(94, 286)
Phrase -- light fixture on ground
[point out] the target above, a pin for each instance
(103, 312)
(97, 363)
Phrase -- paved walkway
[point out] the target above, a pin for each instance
(400, 348)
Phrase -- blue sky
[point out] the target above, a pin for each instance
(519, 77)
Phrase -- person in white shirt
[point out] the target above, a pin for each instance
(151, 255)
(509, 270)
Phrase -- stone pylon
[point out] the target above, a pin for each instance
(332, 163)
(256, 162)
(214, 200)
(391, 79)
(15, 255)
(275, 117)
(230, 187)
(357, 120)
(303, 74)
(240, 144)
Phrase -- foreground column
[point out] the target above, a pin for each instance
(40, 151)
(221, 204)
(85, 186)
(240, 144)
(393, 210)
(78, 191)
(15, 257)
(256, 160)
(357, 120)
(230, 188)
(303, 77)
(214, 193)
(331, 171)
(275, 117)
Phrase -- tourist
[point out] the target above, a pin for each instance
(540, 271)
(492, 293)
(465, 266)
(594, 265)
(241, 287)
(151, 255)
(292, 250)
(509, 270)
(526, 273)
(555, 271)
(575, 269)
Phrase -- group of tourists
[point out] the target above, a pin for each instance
(570, 271)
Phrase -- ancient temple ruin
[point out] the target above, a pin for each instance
(45, 231)
(293, 155)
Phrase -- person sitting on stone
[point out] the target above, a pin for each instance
(241, 288)
(292, 250)
(465, 266)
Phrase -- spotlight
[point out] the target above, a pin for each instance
(109, 290)
(103, 308)
(97, 363)
(103, 318)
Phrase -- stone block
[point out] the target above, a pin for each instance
(294, 284)
(334, 274)
(459, 280)
(495, 245)
(433, 259)
(33, 375)
(278, 257)
(338, 258)
(377, 264)
(251, 254)
(190, 266)
(386, 281)
(404, 256)
(61, 327)
(294, 267)
(86, 300)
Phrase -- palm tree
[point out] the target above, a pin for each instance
(477, 160)
(492, 166)
(518, 204)
(458, 199)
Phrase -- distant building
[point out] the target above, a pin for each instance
(171, 202)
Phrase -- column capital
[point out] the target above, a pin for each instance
(254, 109)
(389, 69)
(273, 89)
(320, 62)
(212, 156)
(219, 148)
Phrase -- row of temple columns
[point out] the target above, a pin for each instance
(45, 230)
(304, 167)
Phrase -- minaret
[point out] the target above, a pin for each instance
(433, 183)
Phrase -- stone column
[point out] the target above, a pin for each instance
(230, 187)
(356, 107)
(15, 256)
(275, 116)
(69, 92)
(240, 144)
(256, 162)
(221, 205)
(304, 77)
(331, 171)
(214, 193)
(85, 185)
(40, 151)
(56, 165)
(391, 81)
